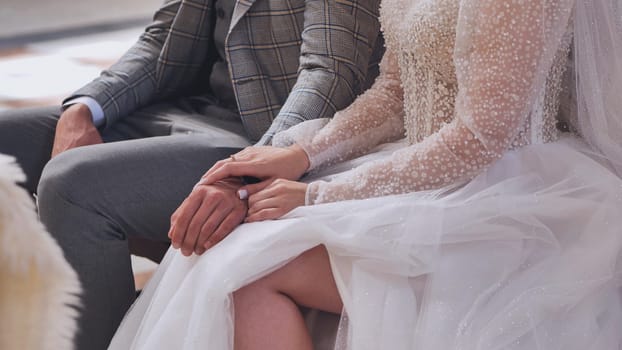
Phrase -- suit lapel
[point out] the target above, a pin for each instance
(241, 7)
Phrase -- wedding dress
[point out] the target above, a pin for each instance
(455, 212)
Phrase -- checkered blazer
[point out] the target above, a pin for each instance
(289, 60)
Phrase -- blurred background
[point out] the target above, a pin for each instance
(20, 18)
(49, 48)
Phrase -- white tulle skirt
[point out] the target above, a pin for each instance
(525, 256)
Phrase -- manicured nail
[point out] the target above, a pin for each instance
(243, 194)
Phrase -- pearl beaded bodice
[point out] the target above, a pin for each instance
(424, 39)
(464, 80)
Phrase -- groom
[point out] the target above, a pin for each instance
(205, 79)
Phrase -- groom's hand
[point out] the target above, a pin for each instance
(74, 129)
(207, 216)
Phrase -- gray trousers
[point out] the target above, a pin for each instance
(93, 198)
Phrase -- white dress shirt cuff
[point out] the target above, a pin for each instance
(97, 112)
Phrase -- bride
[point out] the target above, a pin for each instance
(450, 207)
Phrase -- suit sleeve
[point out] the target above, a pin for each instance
(131, 82)
(338, 40)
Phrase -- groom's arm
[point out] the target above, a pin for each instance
(127, 85)
(131, 82)
(338, 41)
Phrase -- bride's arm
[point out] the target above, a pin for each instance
(374, 118)
(504, 50)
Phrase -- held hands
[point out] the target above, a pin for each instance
(74, 129)
(276, 194)
(211, 212)
(217, 204)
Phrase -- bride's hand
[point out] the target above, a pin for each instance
(270, 200)
(264, 162)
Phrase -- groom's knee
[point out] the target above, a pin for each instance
(68, 196)
(67, 178)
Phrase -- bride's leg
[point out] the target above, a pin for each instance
(266, 311)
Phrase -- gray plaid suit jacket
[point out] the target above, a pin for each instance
(289, 60)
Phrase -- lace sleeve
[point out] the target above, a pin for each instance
(504, 50)
(375, 117)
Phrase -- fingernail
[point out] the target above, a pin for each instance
(243, 194)
(201, 182)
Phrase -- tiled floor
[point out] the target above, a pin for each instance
(45, 73)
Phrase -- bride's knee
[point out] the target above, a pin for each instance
(256, 289)
(250, 297)
(295, 280)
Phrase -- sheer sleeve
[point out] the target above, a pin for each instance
(375, 117)
(504, 50)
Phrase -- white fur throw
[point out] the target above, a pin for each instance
(37, 285)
